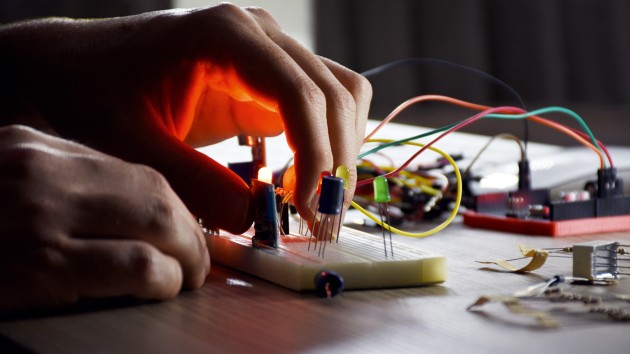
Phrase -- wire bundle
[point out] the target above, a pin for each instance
(585, 138)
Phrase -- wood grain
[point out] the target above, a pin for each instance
(237, 313)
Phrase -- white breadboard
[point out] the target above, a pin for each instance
(358, 257)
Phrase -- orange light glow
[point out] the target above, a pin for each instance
(264, 174)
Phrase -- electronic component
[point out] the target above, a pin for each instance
(328, 211)
(247, 170)
(573, 213)
(266, 218)
(358, 258)
(259, 154)
(548, 302)
(592, 261)
(304, 227)
(382, 198)
(597, 260)
(328, 284)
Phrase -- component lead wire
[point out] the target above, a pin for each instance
(311, 231)
(329, 206)
(321, 236)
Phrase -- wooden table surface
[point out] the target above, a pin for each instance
(237, 313)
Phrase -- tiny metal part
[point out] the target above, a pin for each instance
(328, 208)
(266, 218)
(259, 156)
(596, 260)
(382, 197)
(288, 186)
(314, 204)
(284, 221)
(328, 284)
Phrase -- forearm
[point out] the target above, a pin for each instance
(43, 63)
(22, 58)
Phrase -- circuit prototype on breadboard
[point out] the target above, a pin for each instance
(358, 257)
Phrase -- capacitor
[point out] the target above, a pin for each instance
(266, 217)
(382, 198)
(328, 209)
(304, 229)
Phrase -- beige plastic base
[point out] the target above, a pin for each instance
(358, 257)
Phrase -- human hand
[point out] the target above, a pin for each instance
(137, 87)
(76, 223)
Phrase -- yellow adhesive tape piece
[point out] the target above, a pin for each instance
(514, 305)
(538, 259)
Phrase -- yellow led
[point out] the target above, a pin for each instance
(343, 172)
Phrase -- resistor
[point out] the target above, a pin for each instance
(539, 211)
(382, 197)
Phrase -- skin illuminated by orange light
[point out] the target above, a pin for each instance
(148, 89)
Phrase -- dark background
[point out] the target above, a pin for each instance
(573, 53)
(13, 10)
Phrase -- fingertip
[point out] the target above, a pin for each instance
(105, 268)
(208, 262)
(306, 174)
(231, 206)
(197, 279)
(160, 276)
(208, 189)
(176, 282)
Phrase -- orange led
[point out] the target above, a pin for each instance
(265, 175)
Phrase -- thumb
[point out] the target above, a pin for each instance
(209, 190)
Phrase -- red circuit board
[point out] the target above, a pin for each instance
(548, 228)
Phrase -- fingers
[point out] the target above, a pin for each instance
(128, 232)
(318, 112)
(105, 268)
(208, 189)
(53, 274)
(347, 96)
(230, 117)
(145, 208)
(271, 77)
(20, 134)
(361, 91)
